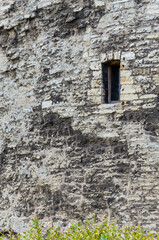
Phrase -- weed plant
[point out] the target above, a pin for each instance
(89, 230)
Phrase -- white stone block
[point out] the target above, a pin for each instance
(46, 104)
(117, 55)
(128, 97)
(94, 66)
(146, 96)
(103, 57)
(128, 56)
(94, 92)
(43, 4)
(99, 3)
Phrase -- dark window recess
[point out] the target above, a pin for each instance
(111, 81)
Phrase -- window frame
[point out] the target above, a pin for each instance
(107, 90)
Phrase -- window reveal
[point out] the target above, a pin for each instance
(111, 81)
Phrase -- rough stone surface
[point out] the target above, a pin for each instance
(63, 153)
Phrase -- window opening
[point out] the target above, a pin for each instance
(111, 81)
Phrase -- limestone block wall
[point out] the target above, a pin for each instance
(64, 154)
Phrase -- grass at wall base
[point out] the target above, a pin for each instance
(89, 230)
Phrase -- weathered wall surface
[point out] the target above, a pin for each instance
(63, 153)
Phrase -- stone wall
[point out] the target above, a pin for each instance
(63, 153)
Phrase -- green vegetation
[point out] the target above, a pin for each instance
(90, 230)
